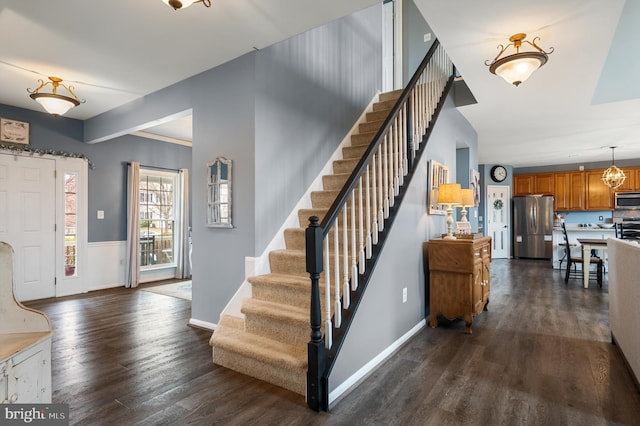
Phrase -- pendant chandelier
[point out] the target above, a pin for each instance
(519, 66)
(53, 102)
(613, 177)
(183, 4)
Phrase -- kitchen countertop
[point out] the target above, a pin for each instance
(584, 228)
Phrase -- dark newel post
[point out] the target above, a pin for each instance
(315, 347)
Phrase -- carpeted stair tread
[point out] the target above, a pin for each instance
(362, 138)
(293, 282)
(384, 105)
(278, 311)
(261, 348)
(232, 322)
(354, 151)
(345, 166)
(376, 115)
(370, 126)
(393, 95)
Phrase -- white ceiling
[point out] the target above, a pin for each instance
(584, 100)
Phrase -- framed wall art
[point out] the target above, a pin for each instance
(14, 131)
(475, 185)
(438, 174)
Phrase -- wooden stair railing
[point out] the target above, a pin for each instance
(346, 244)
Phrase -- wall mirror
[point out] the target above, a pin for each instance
(438, 174)
(219, 179)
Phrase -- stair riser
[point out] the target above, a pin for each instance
(390, 96)
(370, 126)
(281, 331)
(300, 297)
(362, 139)
(297, 242)
(377, 115)
(345, 166)
(384, 105)
(284, 263)
(350, 152)
(295, 381)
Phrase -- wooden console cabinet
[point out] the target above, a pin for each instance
(459, 278)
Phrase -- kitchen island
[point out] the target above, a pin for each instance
(574, 232)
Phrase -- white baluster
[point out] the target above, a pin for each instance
(374, 207)
(354, 251)
(328, 341)
(396, 156)
(385, 169)
(389, 162)
(405, 143)
(346, 295)
(380, 191)
(360, 226)
(367, 210)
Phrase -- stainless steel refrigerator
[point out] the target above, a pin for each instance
(533, 226)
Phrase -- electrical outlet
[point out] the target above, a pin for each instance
(100, 214)
(601, 218)
(404, 295)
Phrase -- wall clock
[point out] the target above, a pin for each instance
(498, 173)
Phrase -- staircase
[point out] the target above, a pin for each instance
(270, 342)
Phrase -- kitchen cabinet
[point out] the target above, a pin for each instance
(598, 195)
(459, 278)
(531, 184)
(569, 191)
(631, 182)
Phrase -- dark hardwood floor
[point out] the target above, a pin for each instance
(540, 356)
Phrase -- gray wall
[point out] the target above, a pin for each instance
(414, 27)
(107, 180)
(310, 90)
(401, 263)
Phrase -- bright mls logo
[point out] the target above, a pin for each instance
(35, 414)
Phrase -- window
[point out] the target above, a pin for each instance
(70, 224)
(219, 193)
(158, 215)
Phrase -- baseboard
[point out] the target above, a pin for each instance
(202, 324)
(349, 384)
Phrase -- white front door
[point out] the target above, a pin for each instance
(27, 222)
(498, 217)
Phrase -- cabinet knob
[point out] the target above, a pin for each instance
(13, 397)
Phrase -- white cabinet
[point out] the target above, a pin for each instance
(25, 344)
(26, 376)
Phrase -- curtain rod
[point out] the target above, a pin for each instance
(142, 166)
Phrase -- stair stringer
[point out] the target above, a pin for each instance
(259, 265)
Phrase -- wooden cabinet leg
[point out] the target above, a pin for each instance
(433, 321)
(468, 321)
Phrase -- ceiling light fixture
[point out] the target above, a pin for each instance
(183, 4)
(613, 177)
(519, 66)
(53, 102)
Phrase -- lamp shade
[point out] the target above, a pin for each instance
(450, 193)
(515, 69)
(54, 104)
(468, 200)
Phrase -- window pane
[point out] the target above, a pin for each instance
(70, 224)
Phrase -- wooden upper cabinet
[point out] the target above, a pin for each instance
(542, 183)
(562, 191)
(577, 191)
(569, 191)
(598, 195)
(631, 182)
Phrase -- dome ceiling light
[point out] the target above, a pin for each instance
(183, 4)
(55, 103)
(518, 67)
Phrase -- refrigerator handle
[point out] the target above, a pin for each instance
(534, 218)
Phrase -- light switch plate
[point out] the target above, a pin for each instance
(100, 214)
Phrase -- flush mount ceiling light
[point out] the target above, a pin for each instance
(613, 177)
(519, 66)
(183, 4)
(53, 102)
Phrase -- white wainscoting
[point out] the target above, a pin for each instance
(106, 265)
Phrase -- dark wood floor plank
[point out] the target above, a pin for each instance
(541, 355)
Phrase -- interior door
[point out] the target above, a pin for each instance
(27, 222)
(498, 216)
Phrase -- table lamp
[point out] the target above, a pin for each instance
(449, 194)
(468, 200)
